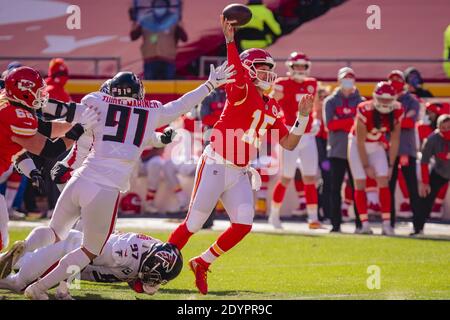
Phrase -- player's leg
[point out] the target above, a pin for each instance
(40, 262)
(65, 215)
(153, 168)
(359, 178)
(208, 186)
(337, 173)
(379, 162)
(239, 204)
(405, 206)
(437, 207)
(4, 218)
(99, 206)
(170, 173)
(288, 167)
(309, 167)
(300, 189)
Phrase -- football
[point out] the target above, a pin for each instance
(238, 12)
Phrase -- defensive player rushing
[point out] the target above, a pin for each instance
(367, 156)
(143, 262)
(223, 169)
(127, 125)
(25, 93)
(288, 91)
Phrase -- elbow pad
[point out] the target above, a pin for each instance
(75, 132)
(52, 149)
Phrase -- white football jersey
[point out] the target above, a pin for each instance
(127, 126)
(120, 258)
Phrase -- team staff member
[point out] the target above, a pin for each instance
(339, 114)
(407, 151)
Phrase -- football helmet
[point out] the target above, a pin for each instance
(384, 97)
(25, 85)
(104, 88)
(438, 108)
(127, 84)
(251, 58)
(131, 203)
(298, 59)
(162, 263)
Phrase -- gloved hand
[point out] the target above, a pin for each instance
(37, 181)
(60, 174)
(168, 135)
(220, 75)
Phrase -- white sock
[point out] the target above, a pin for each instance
(312, 213)
(365, 224)
(10, 195)
(275, 209)
(70, 265)
(208, 256)
(39, 237)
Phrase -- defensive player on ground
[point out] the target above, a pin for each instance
(143, 262)
(367, 157)
(288, 91)
(24, 93)
(127, 126)
(223, 169)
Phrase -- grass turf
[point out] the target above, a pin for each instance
(275, 266)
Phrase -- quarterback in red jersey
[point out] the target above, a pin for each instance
(367, 157)
(223, 169)
(25, 93)
(288, 91)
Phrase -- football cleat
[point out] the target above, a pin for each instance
(201, 274)
(9, 258)
(365, 229)
(32, 292)
(261, 207)
(275, 221)
(387, 230)
(314, 225)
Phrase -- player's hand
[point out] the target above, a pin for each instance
(370, 172)
(221, 75)
(60, 174)
(89, 118)
(306, 104)
(37, 181)
(227, 28)
(168, 135)
(424, 189)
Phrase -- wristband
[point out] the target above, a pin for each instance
(300, 125)
(75, 132)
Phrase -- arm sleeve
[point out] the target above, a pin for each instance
(425, 174)
(172, 110)
(56, 109)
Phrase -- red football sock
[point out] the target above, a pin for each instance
(311, 194)
(385, 203)
(151, 194)
(180, 236)
(348, 193)
(300, 187)
(232, 236)
(442, 193)
(402, 185)
(278, 193)
(361, 204)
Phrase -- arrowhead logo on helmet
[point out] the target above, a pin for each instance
(384, 97)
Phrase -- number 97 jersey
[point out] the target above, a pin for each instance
(126, 127)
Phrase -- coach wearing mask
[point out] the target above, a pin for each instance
(339, 114)
(407, 153)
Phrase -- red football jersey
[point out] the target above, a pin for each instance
(247, 118)
(365, 113)
(293, 92)
(14, 121)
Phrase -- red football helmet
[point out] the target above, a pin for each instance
(131, 203)
(438, 108)
(251, 58)
(298, 59)
(384, 97)
(26, 86)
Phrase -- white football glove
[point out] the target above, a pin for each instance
(220, 75)
(89, 118)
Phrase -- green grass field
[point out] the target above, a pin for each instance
(271, 266)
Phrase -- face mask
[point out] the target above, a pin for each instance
(347, 83)
(263, 85)
(414, 80)
(398, 86)
(446, 135)
(426, 120)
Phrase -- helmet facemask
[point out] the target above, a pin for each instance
(296, 74)
(257, 74)
(384, 104)
(40, 98)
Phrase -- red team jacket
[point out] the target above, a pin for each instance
(14, 121)
(246, 119)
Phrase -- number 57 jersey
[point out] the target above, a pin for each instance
(126, 127)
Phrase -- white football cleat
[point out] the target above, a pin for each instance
(62, 292)
(365, 229)
(387, 230)
(32, 292)
(275, 221)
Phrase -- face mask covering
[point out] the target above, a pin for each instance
(398, 86)
(347, 83)
(446, 135)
